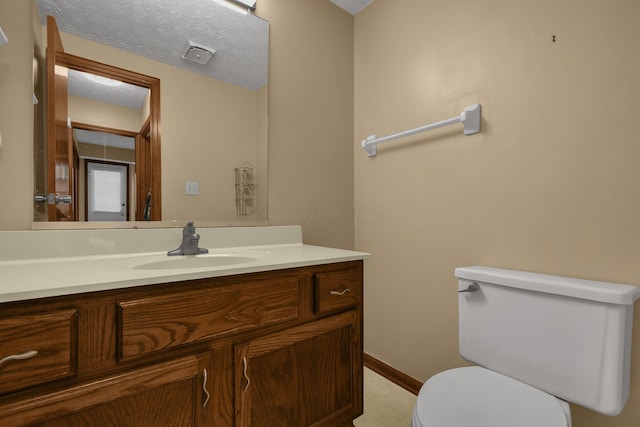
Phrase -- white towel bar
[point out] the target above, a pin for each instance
(470, 118)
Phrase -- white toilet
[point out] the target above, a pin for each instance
(540, 341)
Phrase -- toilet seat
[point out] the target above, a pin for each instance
(477, 397)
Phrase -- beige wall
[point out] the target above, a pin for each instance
(550, 185)
(89, 111)
(311, 119)
(16, 115)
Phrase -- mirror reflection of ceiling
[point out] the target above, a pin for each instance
(160, 30)
(101, 89)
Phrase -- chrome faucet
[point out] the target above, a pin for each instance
(190, 241)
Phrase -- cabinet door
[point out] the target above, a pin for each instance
(309, 375)
(166, 394)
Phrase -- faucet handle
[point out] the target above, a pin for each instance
(189, 229)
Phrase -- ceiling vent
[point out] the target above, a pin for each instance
(196, 53)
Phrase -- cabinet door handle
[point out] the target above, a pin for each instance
(340, 293)
(21, 356)
(244, 373)
(204, 388)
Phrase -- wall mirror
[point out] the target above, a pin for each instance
(213, 118)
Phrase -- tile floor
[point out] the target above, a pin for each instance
(385, 403)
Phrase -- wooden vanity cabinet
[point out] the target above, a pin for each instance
(278, 348)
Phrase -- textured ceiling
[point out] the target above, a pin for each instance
(352, 6)
(159, 29)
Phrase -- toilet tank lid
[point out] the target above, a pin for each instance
(613, 293)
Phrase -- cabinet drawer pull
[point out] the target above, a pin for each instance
(244, 372)
(340, 293)
(204, 388)
(22, 356)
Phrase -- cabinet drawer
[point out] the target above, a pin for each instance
(157, 395)
(156, 323)
(36, 349)
(337, 289)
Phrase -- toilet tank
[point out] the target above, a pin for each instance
(566, 336)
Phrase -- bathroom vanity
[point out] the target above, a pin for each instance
(264, 333)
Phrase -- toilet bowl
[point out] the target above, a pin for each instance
(539, 341)
(478, 397)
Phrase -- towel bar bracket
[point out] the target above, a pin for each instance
(372, 149)
(470, 119)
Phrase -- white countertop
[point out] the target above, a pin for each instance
(111, 261)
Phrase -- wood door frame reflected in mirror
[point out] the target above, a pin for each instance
(151, 178)
(90, 155)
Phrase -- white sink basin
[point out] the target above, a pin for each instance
(181, 262)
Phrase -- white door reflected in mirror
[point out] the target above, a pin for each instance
(107, 192)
